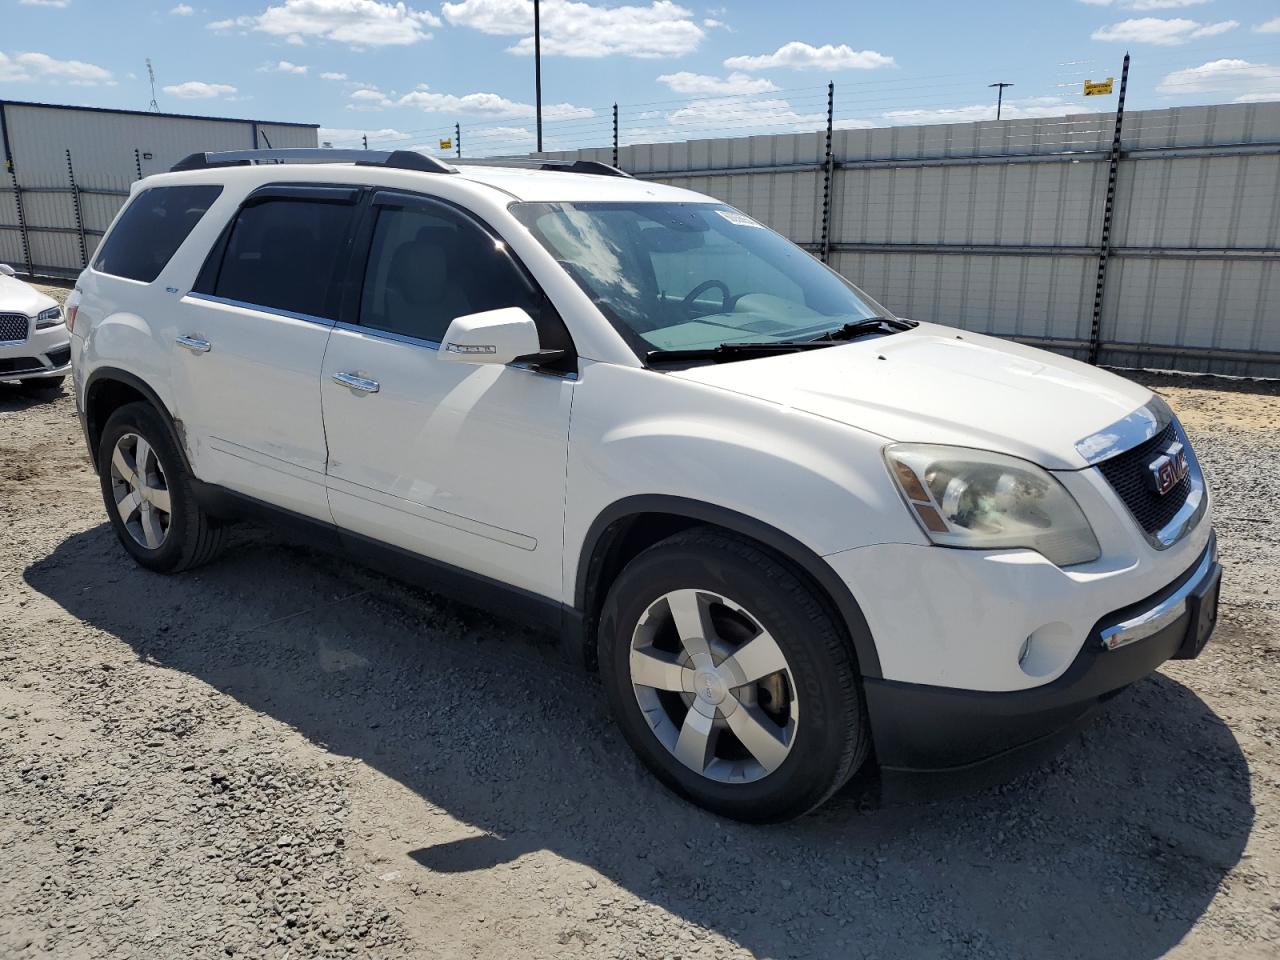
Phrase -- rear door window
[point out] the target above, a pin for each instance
(282, 254)
(151, 229)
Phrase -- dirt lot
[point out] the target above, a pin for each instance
(282, 755)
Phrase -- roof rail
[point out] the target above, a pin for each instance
(398, 159)
(597, 167)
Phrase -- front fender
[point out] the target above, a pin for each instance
(640, 437)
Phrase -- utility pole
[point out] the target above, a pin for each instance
(457, 139)
(999, 96)
(615, 134)
(537, 65)
(364, 137)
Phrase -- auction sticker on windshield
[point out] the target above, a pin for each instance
(739, 219)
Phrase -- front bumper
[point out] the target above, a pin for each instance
(45, 353)
(936, 739)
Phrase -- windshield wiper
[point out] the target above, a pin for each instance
(728, 352)
(870, 325)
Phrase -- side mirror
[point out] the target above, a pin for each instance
(491, 337)
(7, 271)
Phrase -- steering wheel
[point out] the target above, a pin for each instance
(726, 298)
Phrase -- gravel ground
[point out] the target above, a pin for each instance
(282, 755)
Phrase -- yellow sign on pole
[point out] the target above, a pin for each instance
(446, 144)
(1099, 88)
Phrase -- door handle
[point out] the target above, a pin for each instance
(363, 384)
(195, 344)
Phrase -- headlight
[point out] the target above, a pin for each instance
(49, 318)
(977, 499)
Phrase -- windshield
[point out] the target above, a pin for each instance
(691, 276)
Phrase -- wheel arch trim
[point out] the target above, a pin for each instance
(115, 374)
(822, 575)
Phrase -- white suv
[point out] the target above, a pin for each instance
(794, 533)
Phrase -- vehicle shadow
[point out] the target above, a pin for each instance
(15, 398)
(1112, 850)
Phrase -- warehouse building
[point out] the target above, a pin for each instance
(68, 170)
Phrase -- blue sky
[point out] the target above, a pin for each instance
(405, 72)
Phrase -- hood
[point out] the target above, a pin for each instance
(936, 384)
(19, 297)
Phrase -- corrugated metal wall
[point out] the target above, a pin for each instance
(109, 150)
(996, 226)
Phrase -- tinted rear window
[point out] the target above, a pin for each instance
(150, 231)
(283, 253)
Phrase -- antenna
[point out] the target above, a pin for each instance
(152, 74)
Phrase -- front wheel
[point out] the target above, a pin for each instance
(148, 495)
(729, 678)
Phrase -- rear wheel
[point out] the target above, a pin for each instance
(729, 678)
(148, 495)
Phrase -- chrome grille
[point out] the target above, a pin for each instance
(1128, 473)
(14, 327)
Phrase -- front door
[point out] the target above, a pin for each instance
(459, 463)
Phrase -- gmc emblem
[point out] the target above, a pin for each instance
(1167, 471)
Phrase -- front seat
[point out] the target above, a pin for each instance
(423, 292)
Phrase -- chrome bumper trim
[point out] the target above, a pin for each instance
(1166, 612)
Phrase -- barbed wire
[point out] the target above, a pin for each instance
(1062, 116)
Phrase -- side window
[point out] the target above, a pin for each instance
(428, 266)
(283, 253)
(150, 231)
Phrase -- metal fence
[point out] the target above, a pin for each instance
(1162, 253)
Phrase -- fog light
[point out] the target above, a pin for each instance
(1048, 651)
(1026, 648)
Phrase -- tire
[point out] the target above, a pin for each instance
(167, 541)
(42, 385)
(812, 708)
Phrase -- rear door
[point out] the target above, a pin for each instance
(459, 463)
(251, 343)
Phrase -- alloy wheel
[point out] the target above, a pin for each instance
(714, 686)
(140, 491)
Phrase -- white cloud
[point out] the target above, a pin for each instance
(358, 23)
(59, 4)
(333, 76)
(23, 67)
(574, 29)
(481, 104)
(726, 114)
(1244, 81)
(199, 90)
(711, 23)
(368, 98)
(283, 66)
(697, 83)
(1271, 26)
(183, 10)
(498, 136)
(803, 56)
(352, 135)
(1146, 4)
(1166, 33)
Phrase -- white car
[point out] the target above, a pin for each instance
(794, 533)
(34, 346)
